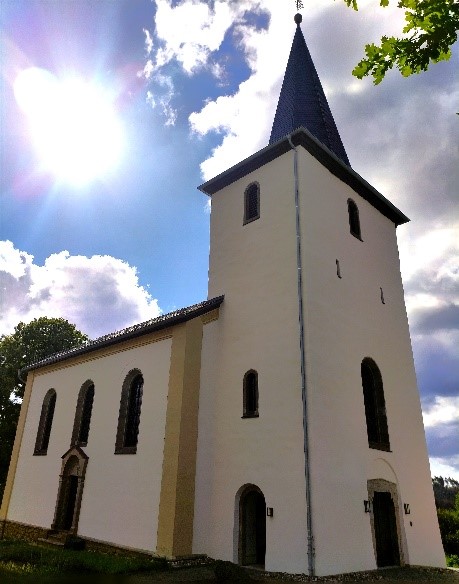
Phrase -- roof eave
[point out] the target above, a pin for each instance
(302, 137)
(140, 330)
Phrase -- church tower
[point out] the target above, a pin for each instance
(311, 454)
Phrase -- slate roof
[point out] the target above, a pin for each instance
(302, 101)
(132, 332)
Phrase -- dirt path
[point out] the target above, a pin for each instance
(203, 575)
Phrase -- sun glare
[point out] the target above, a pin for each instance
(73, 125)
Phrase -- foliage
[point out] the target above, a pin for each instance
(428, 35)
(445, 492)
(430, 31)
(28, 344)
(448, 514)
(452, 561)
(448, 521)
(26, 558)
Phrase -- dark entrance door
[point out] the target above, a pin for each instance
(70, 500)
(253, 528)
(387, 550)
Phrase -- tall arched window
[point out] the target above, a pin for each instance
(375, 405)
(251, 202)
(354, 221)
(250, 394)
(83, 413)
(46, 422)
(129, 415)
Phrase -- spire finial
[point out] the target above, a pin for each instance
(298, 19)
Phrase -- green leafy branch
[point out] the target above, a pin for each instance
(431, 28)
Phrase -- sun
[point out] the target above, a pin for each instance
(73, 125)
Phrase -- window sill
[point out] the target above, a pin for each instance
(246, 221)
(377, 446)
(126, 450)
(40, 452)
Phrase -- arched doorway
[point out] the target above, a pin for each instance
(252, 527)
(386, 523)
(70, 491)
(386, 538)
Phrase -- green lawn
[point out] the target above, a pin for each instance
(21, 559)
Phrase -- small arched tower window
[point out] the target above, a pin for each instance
(375, 405)
(250, 394)
(354, 221)
(83, 413)
(251, 202)
(46, 422)
(129, 415)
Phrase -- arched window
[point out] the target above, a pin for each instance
(83, 414)
(46, 421)
(129, 416)
(375, 405)
(250, 394)
(354, 221)
(251, 202)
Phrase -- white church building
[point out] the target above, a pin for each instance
(276, 424)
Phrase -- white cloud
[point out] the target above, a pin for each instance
(190, 31)
(190, 34)
(99, 294)
(148, 41)
(443, 411)
(440, 467)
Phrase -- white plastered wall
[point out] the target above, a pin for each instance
(121, 492)
(345, 322)
(254, 265)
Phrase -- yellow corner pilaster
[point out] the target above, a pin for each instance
(176, 507)
(17, 447)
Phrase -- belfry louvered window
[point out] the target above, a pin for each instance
(354, 220)
(250, 394)
(46, 422)
(83, 413)
(252, 202)
(375, 405)
(129, 415)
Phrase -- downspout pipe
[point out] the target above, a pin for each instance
(307, 474)
(21, 379)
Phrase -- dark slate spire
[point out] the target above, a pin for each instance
(302, 100)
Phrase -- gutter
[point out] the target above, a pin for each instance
(307, 474)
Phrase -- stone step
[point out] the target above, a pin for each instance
(62, 539)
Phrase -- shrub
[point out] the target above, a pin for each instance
(448, 521)
(452, 561)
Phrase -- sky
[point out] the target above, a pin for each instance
(114, 111)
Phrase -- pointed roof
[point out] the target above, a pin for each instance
(302, 101)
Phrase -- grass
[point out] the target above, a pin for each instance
(25, 559)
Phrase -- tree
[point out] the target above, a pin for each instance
(28, 344)
(429, 33)
(431, 29)
(446, 492)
